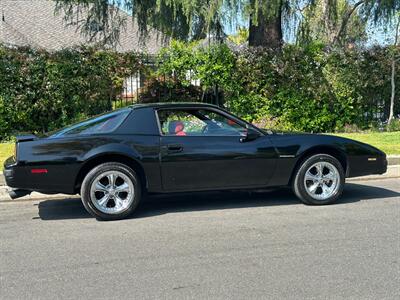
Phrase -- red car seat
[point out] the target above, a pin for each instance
(176, 127)
(179, 129)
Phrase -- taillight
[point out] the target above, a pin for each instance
(39, 171)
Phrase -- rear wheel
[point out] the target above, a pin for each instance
(319, 180)
(111, 191)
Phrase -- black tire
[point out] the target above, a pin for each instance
(98, 171)
(299, 184)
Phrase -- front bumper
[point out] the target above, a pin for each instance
(367, 165)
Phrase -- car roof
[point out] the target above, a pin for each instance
(174, 105)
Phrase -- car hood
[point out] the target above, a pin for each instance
(330, 139)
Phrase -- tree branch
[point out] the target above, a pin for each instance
(396, 39)
(346, 20)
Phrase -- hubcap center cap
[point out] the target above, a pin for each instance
(111, 192)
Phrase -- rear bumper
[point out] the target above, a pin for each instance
(58, 179)
(12, 172)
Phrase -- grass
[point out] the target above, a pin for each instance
(6, 150)
(389, 142)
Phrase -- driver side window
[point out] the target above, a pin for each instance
(197, 122)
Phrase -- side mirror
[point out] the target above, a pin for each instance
(251, 135)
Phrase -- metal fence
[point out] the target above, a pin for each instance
(141, 88)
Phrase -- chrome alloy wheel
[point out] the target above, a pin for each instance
(322, 180)
(112, 192)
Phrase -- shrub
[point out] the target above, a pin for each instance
(8, 118)
(394, 126)
(309, 89)
(271, 123)
(41, 91)
(306, 89)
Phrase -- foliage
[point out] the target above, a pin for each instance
(394, 126)
(190, 20)
(178, 19)
(305, 89)
(215, 66)
(42, 91)
(311, 90)
(181, 64)
(185, 20)
(321, 22)
(176, 61)
(240, 37)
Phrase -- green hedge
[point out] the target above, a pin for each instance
(306, 89)
(310, 90)
(42, 91)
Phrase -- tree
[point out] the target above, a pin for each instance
(380, 12)
(323, 20)
(179, 19)
(194, 19)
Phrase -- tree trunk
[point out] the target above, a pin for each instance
(391, 113)
(393, 77)
(267, 31)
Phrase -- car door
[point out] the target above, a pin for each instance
(203, 149)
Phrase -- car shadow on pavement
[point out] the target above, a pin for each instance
(72, 208)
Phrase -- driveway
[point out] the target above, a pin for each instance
(218, 245)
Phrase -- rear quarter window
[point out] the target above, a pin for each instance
(97, 125)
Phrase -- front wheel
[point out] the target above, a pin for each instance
(319, 180)
(111, 191)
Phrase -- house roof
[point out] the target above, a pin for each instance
(34, 23)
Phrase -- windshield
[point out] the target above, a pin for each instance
(100, 124)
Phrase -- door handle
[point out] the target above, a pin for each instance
(174, 148)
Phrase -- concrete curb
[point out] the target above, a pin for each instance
(393, 160)
(393, 172)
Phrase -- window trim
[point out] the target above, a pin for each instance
(218, 111)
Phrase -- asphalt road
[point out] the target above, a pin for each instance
(221, 245)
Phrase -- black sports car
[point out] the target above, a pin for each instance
(115, 159)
